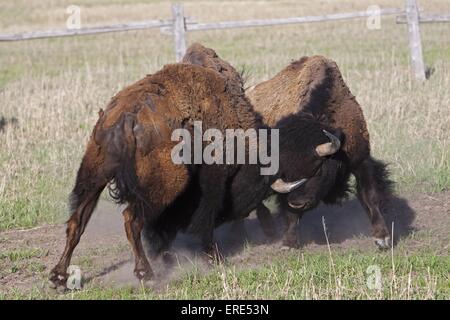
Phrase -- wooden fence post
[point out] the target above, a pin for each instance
(179, 30)
(415, 44)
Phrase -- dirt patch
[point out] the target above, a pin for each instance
(26, 257)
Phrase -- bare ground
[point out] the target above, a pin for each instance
(420, 222)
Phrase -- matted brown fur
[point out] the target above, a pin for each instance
(208, 58)
(172, 98)
(314, 84)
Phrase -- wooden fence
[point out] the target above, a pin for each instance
(179, 25)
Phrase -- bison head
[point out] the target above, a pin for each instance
(305, 147)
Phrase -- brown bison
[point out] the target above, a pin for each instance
(131, 146)
(315, 85)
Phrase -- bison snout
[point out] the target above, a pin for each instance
(302, 204)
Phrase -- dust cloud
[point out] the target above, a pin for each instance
(344, 223)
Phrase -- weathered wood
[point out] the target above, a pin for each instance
(179, 31)
(435, 18)
(415, 44)
(286, 21)
(428, 18)
(167, 26)
(86, 31)
(168, 30)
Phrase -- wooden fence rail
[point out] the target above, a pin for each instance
(179, 25)
(426, 18)
(86, 31)
(287, 21)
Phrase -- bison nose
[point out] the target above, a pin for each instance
(302, 203)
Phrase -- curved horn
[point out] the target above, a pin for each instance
(285, 187)
(328, 148)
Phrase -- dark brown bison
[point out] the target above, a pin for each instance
(131, 146)
(315, 85)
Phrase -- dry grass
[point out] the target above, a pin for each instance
(55, 87)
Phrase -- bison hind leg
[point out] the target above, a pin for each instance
(159, 241)
(92, 178)
(134, 222)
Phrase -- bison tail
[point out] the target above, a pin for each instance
(125, 187)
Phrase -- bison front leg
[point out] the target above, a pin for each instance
(238, 230)
(290, 238)
(373, 187)
(212, 180)
(266, 221)
(134, 222)
(203, 226)
(210, 247)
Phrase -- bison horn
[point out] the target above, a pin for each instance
(328, 148)
(285, 187)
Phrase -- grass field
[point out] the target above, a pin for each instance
(52, 89)
(309, 276)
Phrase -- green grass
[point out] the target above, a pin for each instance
(20, 254)
(293, 276)
(20, 260)
(313, 276)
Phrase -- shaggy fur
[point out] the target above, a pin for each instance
(199, 55)
(315, 85)
(172, 98)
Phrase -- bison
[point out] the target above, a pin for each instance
(315, 85)
(130, 149)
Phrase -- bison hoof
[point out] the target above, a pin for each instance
(169, 258)
(270, 233)
(239, 231)
(143, 274)
(290, 244)
(58, 281)
(214, 256)
(383, 243)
